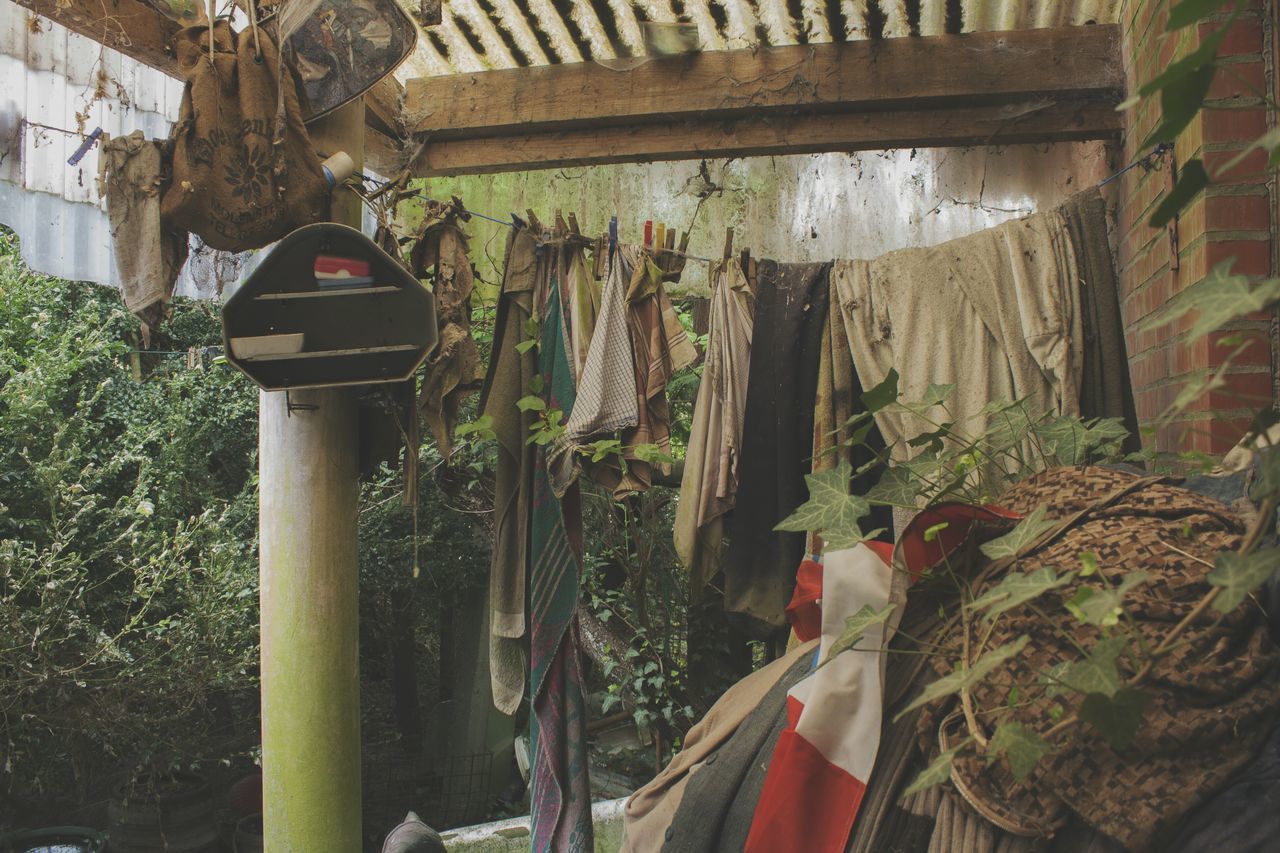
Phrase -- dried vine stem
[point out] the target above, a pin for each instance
(1266, 516)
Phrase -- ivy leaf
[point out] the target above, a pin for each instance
(1102, 607)
(1023, 747)
(1115, 717)
(963, 679)
(883, 394)
(1019, 588)
(938, 771)
(1238, 576)
(1190, 11)
(1192, 178)
(1180, 100)
(937, 394)
(830, 507)
(537, 383)
(1269, 142)
(531, 403)
(653, 454)
(1199, 383)
(1222, 297)
(896, 488)
(482, 427)
(855, 626)
(1066, 438)
(1097, 673)
(524, 346)
(1193, 63)
(1022, 537)
(842, 540)
(1088, 564)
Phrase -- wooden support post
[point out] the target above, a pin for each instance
(308, 490)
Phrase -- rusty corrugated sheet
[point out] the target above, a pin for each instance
(476, 35)
(56, 86)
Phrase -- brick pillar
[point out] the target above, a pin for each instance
(1233, 218)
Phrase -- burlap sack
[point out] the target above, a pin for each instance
(244, 170)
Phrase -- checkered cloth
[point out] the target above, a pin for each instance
(607, 399)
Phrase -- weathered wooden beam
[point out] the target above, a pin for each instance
(1038, 121)
(976, 69)
(130, 26)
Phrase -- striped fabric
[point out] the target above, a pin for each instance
(561, 790)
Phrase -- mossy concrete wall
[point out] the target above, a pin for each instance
(795, 208)
(512, 836)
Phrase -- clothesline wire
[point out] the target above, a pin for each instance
(1146, 161)
(511, 223)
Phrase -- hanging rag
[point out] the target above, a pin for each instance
(584, 305)
(995, 313)
(148, 258)
(509, 378)
(714, 452)
(777, 441)
(1214, 697)
(454, 370)
(606, 400)
(660, 349)
(837, 401)
(245, 172)
(560, 790)
(1106, 389)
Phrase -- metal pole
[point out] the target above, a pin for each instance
(307, 521)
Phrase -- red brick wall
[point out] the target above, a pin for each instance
(1233, 218)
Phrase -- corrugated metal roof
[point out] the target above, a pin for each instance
(56, 86)
(475, 35)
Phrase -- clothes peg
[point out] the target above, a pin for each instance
(671, 240)
(561, 228)
(573, 225)
(598, 258)
(533, 219)
(660, 239)
(613, 234)
(728, 243)
(648, 233)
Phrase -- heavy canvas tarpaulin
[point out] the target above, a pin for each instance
(777, 440)
(560, 787)
(509, 376)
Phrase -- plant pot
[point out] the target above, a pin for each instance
(249, 834)
(164, 813)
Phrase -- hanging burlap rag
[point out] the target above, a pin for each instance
(245, 173)
(148, 258)
(454, 369)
